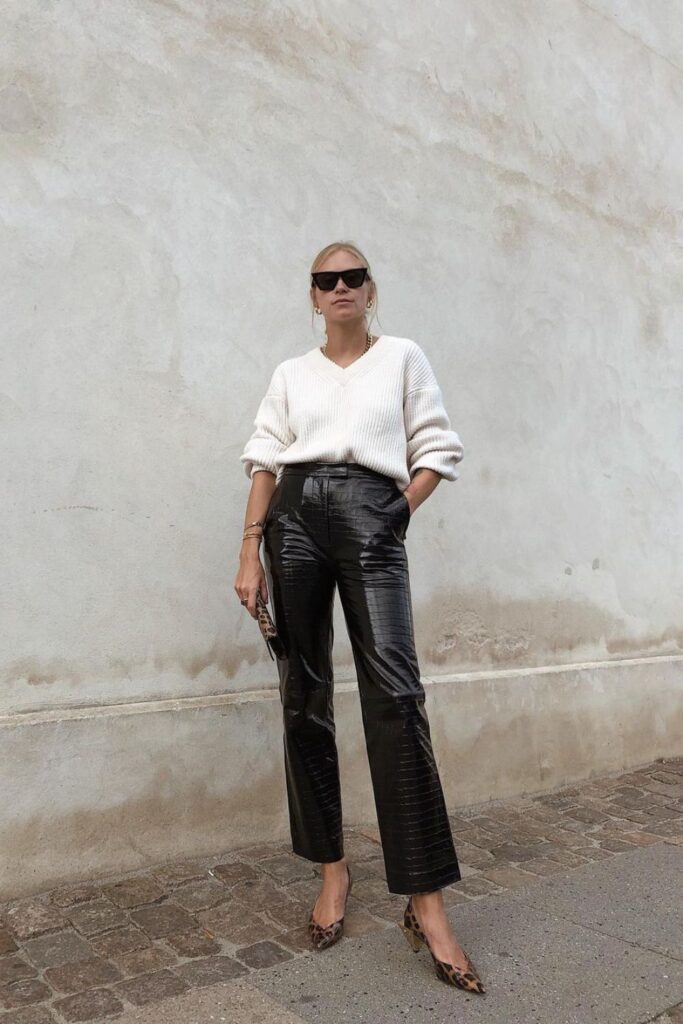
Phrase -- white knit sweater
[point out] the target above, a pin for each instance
(385, 410)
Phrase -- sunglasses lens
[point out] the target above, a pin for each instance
(326, 280)
(353, 278)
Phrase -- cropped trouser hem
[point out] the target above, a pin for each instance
(403, 885)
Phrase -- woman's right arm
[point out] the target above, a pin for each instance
(251, 576)
(271, 435)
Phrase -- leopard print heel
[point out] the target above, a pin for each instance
(324, 936)
(468, 979)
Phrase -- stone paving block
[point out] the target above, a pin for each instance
(488, 823)
(307, 891)
(478, 886)
(286, 868)
(263, 954)
(667, 828)
(30, 917)
(161, 919)
(81, 975)
(660, 813)
(15, 968)
(85, 1006)
(360, 869)
(261, 894)
(473, 856)
(237, 924)
(23, 993)
(134, 892)
(97, 916)
(592, 853)
(231, 873)
(513, 853)
(29, 1015)
(120, 940)
(664, 788)
(569, 858)
(219, 920)
(544, 866)
(171, 875)
(359, 847)
(508, 877)
(369, 890)
(289, 916)
(478, 837)
(557, 800)
(572, 825)
(143, 961)
(298, 940)
(149, 988)
(201, 895)
(389, 909)
(57, 948)
(451, 897)
(615, 845)
(7, 943)
(360, 922)
(193, 944)
(565, 838)
(69, 895)
(212, 970)
(525, 835)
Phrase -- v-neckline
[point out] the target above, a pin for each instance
(342, 374)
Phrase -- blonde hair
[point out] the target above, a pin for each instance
(353, 249)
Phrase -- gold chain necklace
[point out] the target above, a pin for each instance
(369, 342)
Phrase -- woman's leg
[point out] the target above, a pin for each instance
(374, 588)
(302, 589)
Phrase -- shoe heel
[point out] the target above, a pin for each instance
(413, 940)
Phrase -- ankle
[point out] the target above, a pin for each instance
(335, 870)
(428, 902)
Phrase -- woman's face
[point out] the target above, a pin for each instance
(342, 304)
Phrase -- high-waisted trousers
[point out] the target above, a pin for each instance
(342, 525)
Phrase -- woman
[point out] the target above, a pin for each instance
(349, 440)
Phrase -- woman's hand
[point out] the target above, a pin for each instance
(251, 578)
(420, 487)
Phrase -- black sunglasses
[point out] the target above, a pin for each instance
(326, 280)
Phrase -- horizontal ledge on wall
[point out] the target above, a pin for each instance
(147, 707)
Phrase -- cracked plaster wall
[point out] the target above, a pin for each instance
(167, 171)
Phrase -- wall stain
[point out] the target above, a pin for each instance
(461, 632)
(454, 632)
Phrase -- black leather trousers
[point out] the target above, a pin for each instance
(342, 525)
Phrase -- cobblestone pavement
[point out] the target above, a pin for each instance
(87, 952)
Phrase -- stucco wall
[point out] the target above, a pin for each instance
(168, 170)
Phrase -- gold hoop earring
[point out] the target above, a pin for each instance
(318, 309)
(369, 305)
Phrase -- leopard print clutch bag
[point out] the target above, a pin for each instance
(268, 630)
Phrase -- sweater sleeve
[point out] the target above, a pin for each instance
(272, 433)
(432, 443)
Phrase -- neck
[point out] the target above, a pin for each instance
(346, 339)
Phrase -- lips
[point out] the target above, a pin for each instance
(337, 302)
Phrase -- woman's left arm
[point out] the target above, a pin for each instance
(434, 448)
